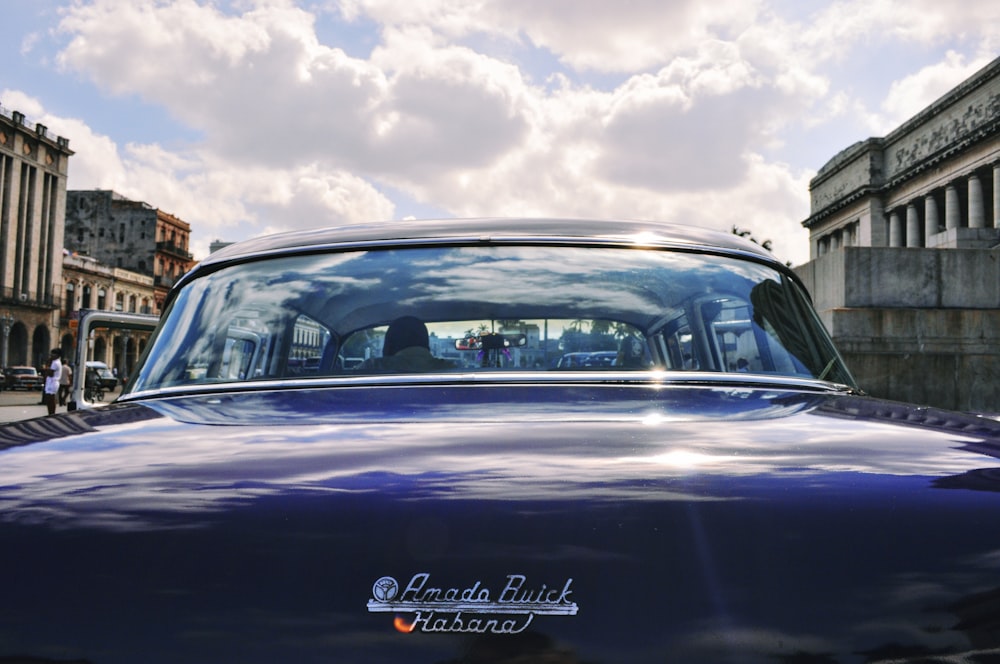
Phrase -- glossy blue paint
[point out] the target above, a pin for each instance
(696, 523)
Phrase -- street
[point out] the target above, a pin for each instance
(22, 405)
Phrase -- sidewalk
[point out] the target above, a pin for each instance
(21, 405)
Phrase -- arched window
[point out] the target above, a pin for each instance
(102, 299)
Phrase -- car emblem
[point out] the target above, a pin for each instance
(506, 609)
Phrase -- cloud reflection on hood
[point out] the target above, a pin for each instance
(172, 468)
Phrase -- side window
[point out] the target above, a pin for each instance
(240, 351)
(743, 342)
(732, 336)
(680, 350)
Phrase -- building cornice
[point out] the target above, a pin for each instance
(16, 122)
(966, 116)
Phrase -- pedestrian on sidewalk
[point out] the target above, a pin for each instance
(52, 373)
(65, 383)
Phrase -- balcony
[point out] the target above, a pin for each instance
(10, 297)
(164, 281)
(173, 250)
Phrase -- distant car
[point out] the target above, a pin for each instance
(601, 358)
(106, 379)
(23, 378)
(573, 360)
(493, 508)
(581, 359)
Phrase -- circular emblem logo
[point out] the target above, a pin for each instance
(385, 589)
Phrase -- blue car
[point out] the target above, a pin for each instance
(437, 489)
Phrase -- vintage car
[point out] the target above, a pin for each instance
(438, 491)
(101, 376)
(23, 378)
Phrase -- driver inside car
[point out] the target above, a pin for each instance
(406, 349)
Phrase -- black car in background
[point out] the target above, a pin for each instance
(435, 488)
(101, 376)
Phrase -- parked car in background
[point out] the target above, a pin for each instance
(23, 378)
(572, 360)
(229, 506)
(105, 378)
(602, 358)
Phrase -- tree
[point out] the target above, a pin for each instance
(766, 244)
(742, 232)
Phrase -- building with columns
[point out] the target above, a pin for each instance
(131, 235)
(90, 284)
(33, 169)
(905, 252)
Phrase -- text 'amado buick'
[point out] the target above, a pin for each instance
(498, 441)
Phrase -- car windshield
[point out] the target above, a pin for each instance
(588, 310)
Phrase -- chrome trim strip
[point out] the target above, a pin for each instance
(648, 378)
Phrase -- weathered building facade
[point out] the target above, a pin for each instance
(129, 234)
(90, 284)
(33, 170)
(905, 252)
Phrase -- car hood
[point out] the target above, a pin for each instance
(589, 523)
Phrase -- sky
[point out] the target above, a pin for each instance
(248, 117)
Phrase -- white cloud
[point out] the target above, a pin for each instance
(445, 107)
(28, 43)
(96, 162)
(221, 199)
(846, 28)
(911, 94)
(585, 34)
(225, 200)
(449, 106)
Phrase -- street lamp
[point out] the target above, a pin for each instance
(6, 320)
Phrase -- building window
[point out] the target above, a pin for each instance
(85, 303)
(70, 298)
(102, 299)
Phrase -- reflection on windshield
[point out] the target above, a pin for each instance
(523, 308)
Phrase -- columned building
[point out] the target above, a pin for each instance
(33, 168)
(128, 234)
(89, 284)
(905, 252)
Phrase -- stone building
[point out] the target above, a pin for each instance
(33, 168)
(905, 252)
(90, 284)
(128, 234)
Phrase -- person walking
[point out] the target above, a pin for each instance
(53, 372)
(65, 383)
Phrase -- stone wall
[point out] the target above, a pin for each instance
(917, 325)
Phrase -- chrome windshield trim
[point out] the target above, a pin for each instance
(526, 378)
(654, 242)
